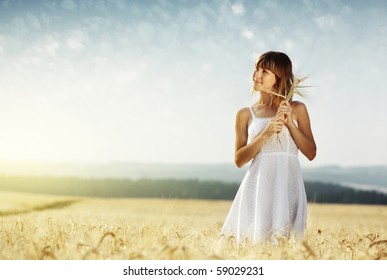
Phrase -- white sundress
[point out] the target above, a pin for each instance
(271, 199)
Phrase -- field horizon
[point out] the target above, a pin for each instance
(374, 176)
(74, 228)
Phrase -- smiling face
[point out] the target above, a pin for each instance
(263, 79)
(273, 72)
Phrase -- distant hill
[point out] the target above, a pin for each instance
(363, 175)
(367, 177)
(171, 188)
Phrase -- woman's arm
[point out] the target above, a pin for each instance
(302, 134)
(245, 152)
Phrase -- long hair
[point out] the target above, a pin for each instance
(281, 65)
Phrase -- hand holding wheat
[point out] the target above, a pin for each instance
(285, 110)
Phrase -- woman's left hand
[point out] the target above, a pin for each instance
(286, 110)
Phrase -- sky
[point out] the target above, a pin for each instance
(161, 81)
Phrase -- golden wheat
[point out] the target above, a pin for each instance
(51, 227)
(294, 89)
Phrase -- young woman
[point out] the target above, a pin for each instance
(271, 200)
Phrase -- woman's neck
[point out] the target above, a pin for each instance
(264, 100)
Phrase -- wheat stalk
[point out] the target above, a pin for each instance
(294, 89)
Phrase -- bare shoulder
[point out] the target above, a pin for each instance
(244, 112)
(298, 107)
(243, 115)
(299, 110)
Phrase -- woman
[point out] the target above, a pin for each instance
(271, 200)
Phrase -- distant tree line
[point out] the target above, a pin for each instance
(170, 188)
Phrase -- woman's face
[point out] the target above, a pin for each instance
(263, 79)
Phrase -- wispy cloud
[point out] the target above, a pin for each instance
(326, 21)
(288, 43)
(76, 40)
(69, 5)
(248, 34)
(206, 67)
(117, 61)
(238, 9)
(51, 46)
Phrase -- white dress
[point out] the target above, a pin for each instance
(271, 199)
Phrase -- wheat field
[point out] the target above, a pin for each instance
(70, 228)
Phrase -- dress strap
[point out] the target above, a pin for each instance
(252, 112)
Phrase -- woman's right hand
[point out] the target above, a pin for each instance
(274, 126)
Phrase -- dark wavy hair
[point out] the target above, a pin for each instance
(281, 65)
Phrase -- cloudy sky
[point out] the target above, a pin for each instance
(161, 81)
